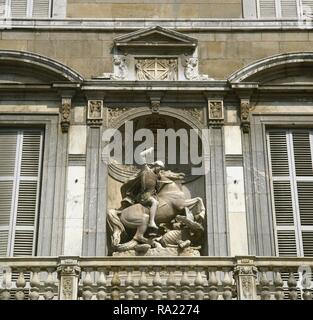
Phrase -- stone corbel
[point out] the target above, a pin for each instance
(155, 101)
(244, 92)
(245, 107)
(65, 112)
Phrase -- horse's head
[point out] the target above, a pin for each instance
(169, 175)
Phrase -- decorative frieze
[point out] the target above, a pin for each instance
(216, 112)
(65, 113)
(113, 115)
(196, 113)
(95, 113)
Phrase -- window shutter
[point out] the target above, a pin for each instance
(282, 193)
(289, 8)
(8, 144)
(307, 7)
(18, 8)
(27, 193)
(302, 153)
(267, 9)
(41, 8)
(20, 159)
(2, 8)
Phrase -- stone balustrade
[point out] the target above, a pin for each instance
(156, 278)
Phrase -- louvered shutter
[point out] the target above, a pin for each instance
(290, 153)
(19, 8)
(20, 161)
(41, 8)
(282, 193)
(289, 8)
(27, 199)
(267, 8)
(8, 150)
(307, 7)
(3, 8)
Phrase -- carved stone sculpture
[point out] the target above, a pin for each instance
(120, 68)
(191, 72)
(175, 226)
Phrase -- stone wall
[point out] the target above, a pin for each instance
(154, 9)
(220, 53)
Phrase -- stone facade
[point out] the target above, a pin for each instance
(75, 78)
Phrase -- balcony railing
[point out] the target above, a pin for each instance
(157, 278)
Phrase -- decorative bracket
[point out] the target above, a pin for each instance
(244, 91)
(155, 101)
(65, 112)
(245, 114)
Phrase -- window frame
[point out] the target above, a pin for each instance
(29, 10)
(279, 11)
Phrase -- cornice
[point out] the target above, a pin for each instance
(126, 24)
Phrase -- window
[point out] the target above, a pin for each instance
(20, 166)
(26, 8)
(284, 9)
(290, 157)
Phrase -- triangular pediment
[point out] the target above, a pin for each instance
(155, 37)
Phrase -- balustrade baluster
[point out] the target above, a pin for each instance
(101, 284)
(157, 285)
(227, 286)
(199, 283)
(265, 286)
(143, 283)
(292, 285)
(130, 290)
(115, 285)
(6, 285)
(34, 284)
(87, 286)
(171, 285)
(20, 285)
(185, 285)
(278, 284)
(306, 284)
(212, 284)
(49, 284)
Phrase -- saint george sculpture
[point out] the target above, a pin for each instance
(155, 217)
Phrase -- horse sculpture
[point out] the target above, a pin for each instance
(172, 203)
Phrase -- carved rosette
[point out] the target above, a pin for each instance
(95, 113)
(216, 112)
(65, 112)
(245, 274)
(245, 114)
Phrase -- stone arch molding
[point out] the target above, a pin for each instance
(38, 66)
(275, 67)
